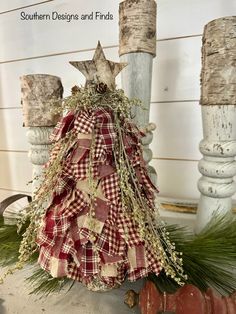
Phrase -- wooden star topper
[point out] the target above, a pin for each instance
(99, 69)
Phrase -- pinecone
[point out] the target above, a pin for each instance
(101, 88)
(131, 298)
(75, 89)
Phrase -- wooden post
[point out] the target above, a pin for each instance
(137, 48)
(188, 299)
(218, 100)
(39, 92)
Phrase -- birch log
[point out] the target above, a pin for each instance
(137, 48)
(39, 93)
(218, 100)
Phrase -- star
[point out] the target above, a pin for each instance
(99, 69)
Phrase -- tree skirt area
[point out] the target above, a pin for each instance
(15, 298)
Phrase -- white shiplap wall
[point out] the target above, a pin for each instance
(47, 46)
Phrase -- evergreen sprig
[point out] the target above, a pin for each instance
(10, 240)
(209, 258)
(44, 284)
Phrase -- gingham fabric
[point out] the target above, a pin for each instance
(105, 248)
(63, 126)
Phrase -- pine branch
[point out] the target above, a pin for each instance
(44, 284)
(9, 244)
(10, 241)
(209, 258)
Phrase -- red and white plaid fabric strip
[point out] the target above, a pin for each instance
(64, 183)
(128, 230)
(68, 247)
(137, 274)
(110, 242)
(61, 225)
(136, 159)
(110, 187)
(63, 126)
(74, 234)
(85, 122)
(84, 235)
(146, 180)
(56, 131)
(53, 154)
(44, 239)
(58, 222)
(103, 243)
(80, 170)
(105, 125)
(99, 153)
(133, 130)
(131, 139)
(90, 260)
(77, 204)
(115, 210)
(122, 272)
(153, 262)
(74, 272)
(45, 255)
(56, 250)
(146, 184)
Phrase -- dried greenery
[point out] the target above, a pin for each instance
(90, 98)
(150, 227)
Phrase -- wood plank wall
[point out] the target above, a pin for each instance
(47, 46)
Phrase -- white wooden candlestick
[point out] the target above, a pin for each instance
(137, 48)
(38, 137)
(39, 92)
(218, 100)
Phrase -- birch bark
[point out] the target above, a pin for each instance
(218, 100)
(39, 92)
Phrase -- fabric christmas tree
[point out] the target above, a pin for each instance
(101, 224)
(94, 219)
